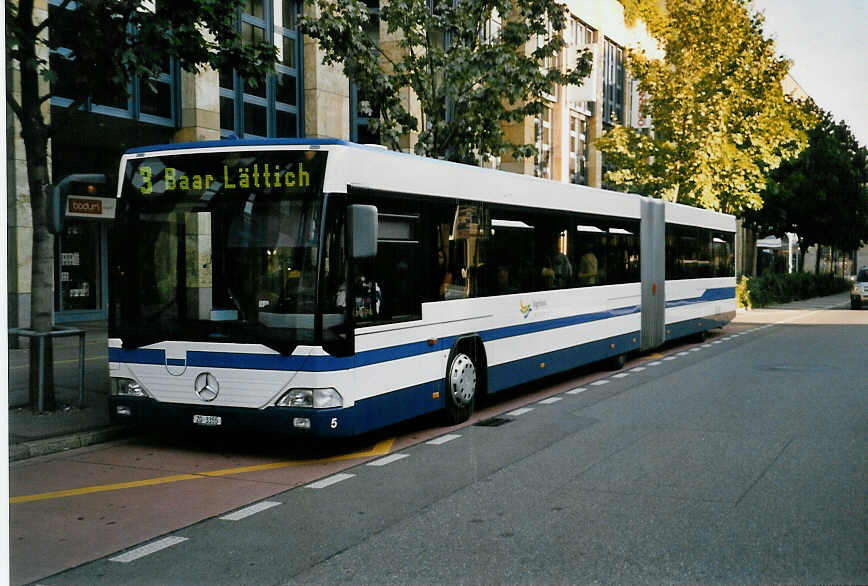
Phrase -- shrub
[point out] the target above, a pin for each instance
(771, 288)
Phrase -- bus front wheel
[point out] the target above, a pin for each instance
(461, 385)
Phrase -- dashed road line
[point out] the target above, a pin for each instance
(655, 363)
(550, 400)
(599, 383)
(682, 354)
(637, 369)
(249, 511)
(330, 480)
(443, 439)
(388, 460)
(148, 549)
(577, 390)
(521, 411)
(668, 358)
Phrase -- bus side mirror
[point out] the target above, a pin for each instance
(362, 224)
(78, 183)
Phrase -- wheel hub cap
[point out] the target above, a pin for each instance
(462, 379)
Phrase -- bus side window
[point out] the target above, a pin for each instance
(387, 288)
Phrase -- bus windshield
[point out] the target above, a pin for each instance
(219, 247)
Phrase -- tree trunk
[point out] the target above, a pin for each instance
(34, 131)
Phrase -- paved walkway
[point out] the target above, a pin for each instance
(70, 426)
(32, 434)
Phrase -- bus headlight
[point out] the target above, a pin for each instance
(316, 398)
(127, 387)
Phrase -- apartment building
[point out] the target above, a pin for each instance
(302, 98)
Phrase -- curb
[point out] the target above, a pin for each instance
(53, 445)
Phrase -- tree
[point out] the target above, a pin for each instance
(721, 120)
(466, 82)
(124, 39)
(820, 195)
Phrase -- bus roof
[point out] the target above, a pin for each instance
(373, 167)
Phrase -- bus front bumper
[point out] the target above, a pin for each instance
(335, 422)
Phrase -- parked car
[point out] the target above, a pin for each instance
(859, 289)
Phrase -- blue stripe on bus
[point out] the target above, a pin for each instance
(369, 357)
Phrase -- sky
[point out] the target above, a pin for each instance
(828, 44)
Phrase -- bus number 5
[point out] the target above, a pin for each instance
(334, 424)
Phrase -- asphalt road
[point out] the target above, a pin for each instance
(741, 460)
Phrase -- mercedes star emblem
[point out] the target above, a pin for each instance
(206, 386)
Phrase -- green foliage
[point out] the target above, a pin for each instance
(651, 12)
(821, 194)
(742, 294)
(721, 120)
(772, 288)
(125, 39)
(466, 85)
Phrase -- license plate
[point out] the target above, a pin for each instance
(210, 420)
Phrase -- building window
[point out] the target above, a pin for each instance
(271, 108)
(155, 100)
(360, 108)
(578, 149)
(613, 84)
(581, 37)
(543, 132)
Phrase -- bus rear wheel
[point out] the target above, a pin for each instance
(461, 388)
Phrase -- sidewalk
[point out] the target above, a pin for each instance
(70, 426)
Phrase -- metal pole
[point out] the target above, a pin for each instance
(81, 370)
(41, 367)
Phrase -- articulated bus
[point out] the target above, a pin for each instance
(326, 288)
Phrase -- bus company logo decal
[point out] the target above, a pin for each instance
(525, 309)
(206, 386)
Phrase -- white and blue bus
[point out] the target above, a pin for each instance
(327, 288)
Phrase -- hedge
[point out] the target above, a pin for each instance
(771, 288)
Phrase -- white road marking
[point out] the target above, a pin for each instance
(248, 511)
(682, 354)
(148, 549)
(443, 439)
(598, 383)
(621, 375)
(388, 459)
(637, 369)
(694, 350)
(330, 480)
(668, 358)
(521, 411)
(717, 342)
(551, 400)
(577, 390)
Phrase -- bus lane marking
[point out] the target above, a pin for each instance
(521, 411)
(443, 439)
(380, 449)
(388, 460)
(148, 549)
(251, 510)
(330, 480)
